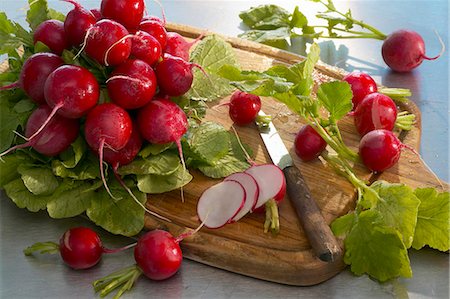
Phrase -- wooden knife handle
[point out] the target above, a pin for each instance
(320, 236)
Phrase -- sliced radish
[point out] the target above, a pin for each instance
(251, 192)
(219, 204)
(270, 180)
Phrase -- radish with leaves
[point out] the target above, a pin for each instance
(77, 23)
(52, 34)
(34, 73)
(79, 247)
(132, 84)
(59, 133)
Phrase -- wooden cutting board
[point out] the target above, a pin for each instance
(243, 247)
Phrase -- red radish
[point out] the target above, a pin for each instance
(52, 34)
(77, 23)
(107, 126)
(376, 111)
(174, 75)
(56, 137)
(108, 42)
(132, 84)
(404, 50)
(97, 14)
(380, 150)
(34, 72)
(79, 247)
(270, 180)
(146, 47)
(127, 154)
(244, 107)
(158, 255)
(308, 143)
(221, 203)
(155, 29)
(251, 191)
(361, 84)
(178, 46)
(128, 13)
(154, 18)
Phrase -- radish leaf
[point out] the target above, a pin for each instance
(23, 198)
(155, 184)
(37, 13)
(265, 17)
(336, 97)
(163, 164)
(38, 180)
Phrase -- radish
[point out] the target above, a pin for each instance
(52, 34)
(270, 180)
(178, 46)
(56, 137)
(404, 50)
(251, 192)
(175, 75)
(128, 13)
(107, 126)
(376, 111)
(132, 84)
(107, 42)
(221, 203)
(77, 23)
(380, 150)
(308, 143)
(33, 74)
(361, 84)
(146, 47)
(79, 247)
(244, 107)
(155, 29)
(97, 14)
(156, 19)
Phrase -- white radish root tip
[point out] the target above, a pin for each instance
(442, 48)
(183, 164)
(102, 172)
(49, 118)
(247, 156)
(124, 78)
(183, 236)
(105, 59)
(83, 45)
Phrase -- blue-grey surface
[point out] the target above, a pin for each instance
(47, 277)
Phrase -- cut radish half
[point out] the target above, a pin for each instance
(270, 180)
(219, 204)
(251, 192)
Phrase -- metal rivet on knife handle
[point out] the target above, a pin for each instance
(320, 236)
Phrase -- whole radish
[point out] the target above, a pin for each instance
(107, 126)
(128, 13)
(244, 107)
(155, 29)
(361, 84)
(77, 23)
(34, 73)
(380, 150)
(376, 111)
(145, 47)
(52, 34)
(174, 75)
(79, 247)
(108, 42)
(59, 133)
(178, 46)
(404, 50)
(132, 84)
(308, 143)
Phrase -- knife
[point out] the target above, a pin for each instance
(319, 234)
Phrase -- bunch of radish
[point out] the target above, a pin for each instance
(375, 115)
(144, 64)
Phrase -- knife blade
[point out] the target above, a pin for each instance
(319, 234)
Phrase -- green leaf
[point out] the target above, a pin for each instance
(37, 13)
(211, 53)
(9, 165)
(23, 198)
(311, 60)
(154, 149)
(376, 249)
(433, 224)
(209, 142)
(227, 165)
(342, 226)
(155, 184)
(298, 19)
(40, 47)
(265, 17)
(56, 15)
(12, 35)
(165, 163)
(336, 97)
(86, 169)
(73, 155)
(277, 38)
(398, 206)
(237, 150)
(38, 180)
(72, 198)
(8, 124)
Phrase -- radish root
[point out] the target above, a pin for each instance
(247, 156)
(105, 60)
(442, 48)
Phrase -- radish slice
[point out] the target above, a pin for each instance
(270, 180)
(220, 203)
(251, 191)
